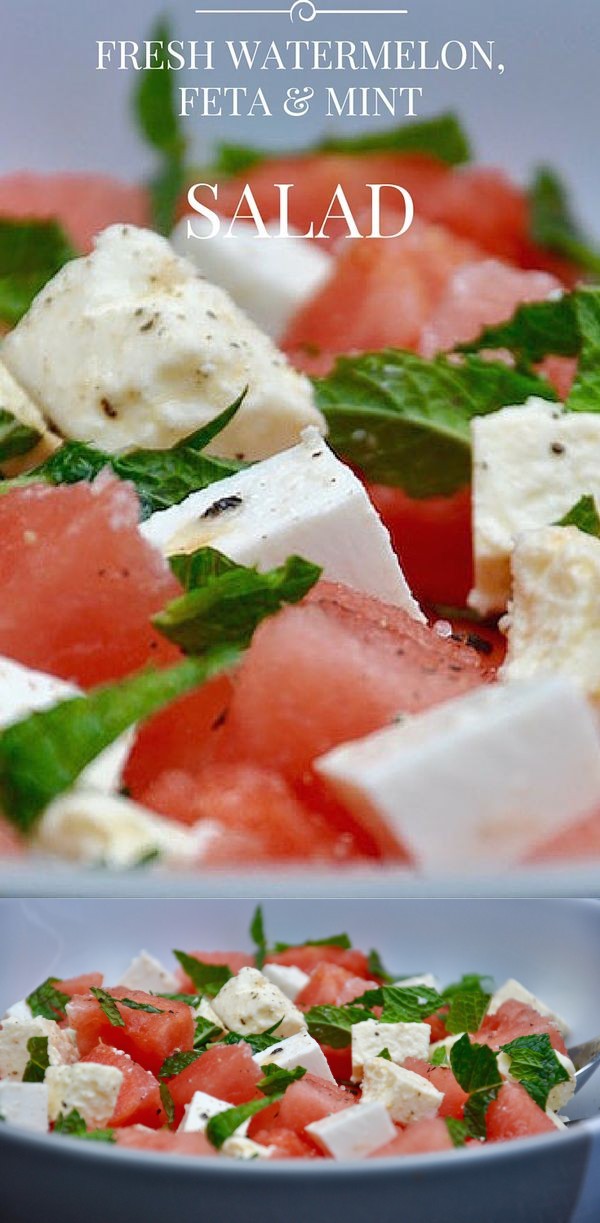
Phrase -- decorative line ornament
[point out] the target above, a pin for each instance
(303, 10)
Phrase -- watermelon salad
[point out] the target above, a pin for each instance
(299, 538)
(293, 1052)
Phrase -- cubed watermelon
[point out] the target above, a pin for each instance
(147, 1037)
(453, 1104)
(228, 1072)
(513, 1114)
(139, 1101)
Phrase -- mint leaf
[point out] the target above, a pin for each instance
(585, 392)
(208, 978)
(259, 1042)
(333, 940)
(74, 1125)
(257, 934)
(439, 1057)
(141, 1006)
(476, 1070)
(405, 421)
(553, 225)
(108, 1006)
(194, 569)
(177, 1062)
(386, 1055)
(31, 253)
(276, 1080)
(15, 437)
(332, 1025)
(535, 330)
(224, 1124)
(229, 607)
(458, 1131)
(205, 1032)
(376, 967)
(166, 1100)
(43, 755)
(469, 1001)
(409, 1005)
(46, 1001)
(156, 113)
(534, 1064)
(584, 515)
(39, 1060)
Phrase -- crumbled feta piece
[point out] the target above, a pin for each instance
(106, 829)
(20, 1011)
(530, 465)
(559, 1122)
(304, 501)
(354, 1133)
(553, 624)
(239, 1147)
(129, 347)
(25, 1105)
(147, 973)
(289, 979)
(14, 1036)
(200, 1110)
(88, 1087)
(426, 979)
(14, 400)
(205, 1010)
(249, 1004)
(505, 767)
(298, 1050)
(406, 1095)
(402, 1040)
(513, 991)
(268, 278)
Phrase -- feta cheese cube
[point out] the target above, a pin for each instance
(298, 1050)
(559, 1095)
(530, 465)
(304, 501)
(129, 347)
(426, 979)
(402, 1040)
(24, 1105)
(20, 1011)
(289, 979)
(406, 1095)
(15, 1035)
(147, 973)
(268, 278)
(14, 400)
(354, 1133)
(90, 1088)
(504, 767)
(512, 990)
(206, 1011)
(200, 1110)
(553, 624)
(239, 1147)
(249, 1004)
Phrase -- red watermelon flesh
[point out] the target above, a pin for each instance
(308, 958)
(420, 1138)
(311, 1099)
(139, 1101)
(433, 540)
(453, 1104)
(513, 1114)
(75, 611)
(146, 1037)
(84, 204)
(81, 984)
(332, 985)
(515, 1019)
(287, 1144)
(578, 842)
(141, 1139)
(228, 1072)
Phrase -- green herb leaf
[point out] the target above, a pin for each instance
(46, 1001)
(156, 113)
(439, 1057)
(333, 940)
(584, 515)
(177, 1062)
(469, 1001)
(476, 1070)
(108, 1006)
(257, 932)
(223, 1125)
(39, 1060)
(43, 755)
(386, 1055)
(409, 1005)
(458, 1131)
(276, 1080)
(208, 978)
(376, 967)
(405, 421)
(15, 437)
(535, 330)
(534, 1064)
(228, 608)
(553, 225)
(74, 1124)
(192, 1000)
(332, 1025)
(141, 1006)
(258, 1042)
(31, 253)
(166, 1100)
(585, 392)
(205, 1032)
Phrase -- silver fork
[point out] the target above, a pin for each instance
(586, 1059)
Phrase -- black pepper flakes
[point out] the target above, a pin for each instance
(108, 408)
(221, 506)
(479, 643)
(557, 448)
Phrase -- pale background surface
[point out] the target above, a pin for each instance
(59, 113)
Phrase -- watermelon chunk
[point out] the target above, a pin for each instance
(311, 1099)
(420, 1138)
(228, 1072)
(81, 984)
(513, 1114)
(287, 1144)
(146, 1037)
(453, 1104)
(309, 958)
(142, 1139)
(332, 985)
(83, 203)
(515, 1019)
(139, 1101)
(433, 540)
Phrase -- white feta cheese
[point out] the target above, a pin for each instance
(289, 979)
(553, 624)
(24, 1105)
(504, 767)
(15, 1035)
(270, 278)
(402, 1040)
(199, 1112)
(239, 1147)
(88, 1087)
(559, 1096)
(298, 1050)
(107, 829)
(129, 347)
(513, 991)
(14, 400)
(559, 1122)
(147, 973)
(250, 1005)
(205, 1010)
(21, 1011)
(426, 979)
(530, 465)
(354, 1133)
(406, 1095)
(303, 501)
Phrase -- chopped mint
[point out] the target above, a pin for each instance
(46, 1001)
(194, 569)
(376, 967)
(226, 609)
(409, 1005)
(475, 1069)
(386, 1055)
(468, 1003)
(333, 940)
(166, 1100)
(332, 1025)
(208, 978)
(31, 253)
(193, 1000)
(258, 936)
(177, 1062)
(147, 859)
(259, 1042)
(533, 1062)
(155, 110)
(109, 1006)
(584, 515)
(553, 225)
(458, 1131)
(15, 437)
(74, 1124)
(39, 1060)
(141, 1006)
(44, 754)
(405, 421)
(439, 1057)
(223, 1125)
(276, 1080)
(205, 1032)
